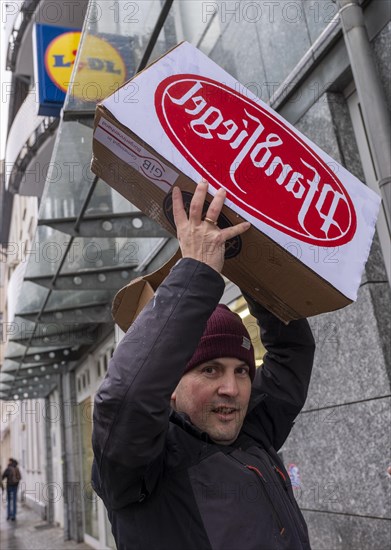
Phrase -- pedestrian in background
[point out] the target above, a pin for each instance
(12, 475)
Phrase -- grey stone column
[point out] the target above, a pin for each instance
(49, 462)
(340, 444)
(72, 477)
(371, 94)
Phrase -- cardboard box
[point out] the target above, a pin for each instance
(184, 118)
(132, 298)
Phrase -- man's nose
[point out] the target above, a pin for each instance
(229, 386)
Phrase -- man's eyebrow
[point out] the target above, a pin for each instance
(211, 362)
(216, 362)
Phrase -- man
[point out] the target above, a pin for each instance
(204, 473)
(12, 475)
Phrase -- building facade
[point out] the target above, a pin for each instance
(69, 242)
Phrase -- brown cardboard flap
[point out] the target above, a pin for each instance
(132, 298)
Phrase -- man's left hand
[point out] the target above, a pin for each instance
(201, 239)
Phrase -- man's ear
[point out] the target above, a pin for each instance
(173, 400)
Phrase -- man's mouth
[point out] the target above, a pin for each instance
(226, 413)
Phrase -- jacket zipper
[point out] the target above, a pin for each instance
(296, 517)
(275, 514)
(281, 476)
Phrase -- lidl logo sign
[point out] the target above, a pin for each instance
(100, 67)
(60, 58)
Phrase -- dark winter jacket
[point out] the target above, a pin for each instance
(165, 484)
(12, 475)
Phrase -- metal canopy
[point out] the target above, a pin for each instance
(4, 377)
(34, 371)
(37, 372)
(92, 313)
(62, 334)
(129, 225)
(112, 278)
(45, 356)
(38, 391)
(89, 242)
(32, 296)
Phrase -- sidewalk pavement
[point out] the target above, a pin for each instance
(29, 532)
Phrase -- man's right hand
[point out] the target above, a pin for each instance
(199, 238)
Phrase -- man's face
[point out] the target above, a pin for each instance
(215, 395)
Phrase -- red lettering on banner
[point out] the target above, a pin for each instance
(265, 167)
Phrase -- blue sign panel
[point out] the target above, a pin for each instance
(55, 53)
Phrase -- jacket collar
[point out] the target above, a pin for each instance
(183, 420)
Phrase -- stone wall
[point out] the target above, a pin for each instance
(340, 443)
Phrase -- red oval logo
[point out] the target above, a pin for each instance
(266, 169)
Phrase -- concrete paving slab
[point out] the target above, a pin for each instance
(29, 532)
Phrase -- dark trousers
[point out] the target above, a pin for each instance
(11, 501)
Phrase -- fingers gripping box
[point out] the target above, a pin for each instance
(184, 118)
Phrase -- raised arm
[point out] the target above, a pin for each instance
(133, 403)
(281, 384)
(131, 413)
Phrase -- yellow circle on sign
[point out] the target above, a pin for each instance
(60, 57)
(100, 68)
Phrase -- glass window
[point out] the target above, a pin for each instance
(259, 43)
(113, 42)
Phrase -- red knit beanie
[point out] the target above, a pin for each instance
(225, 336)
